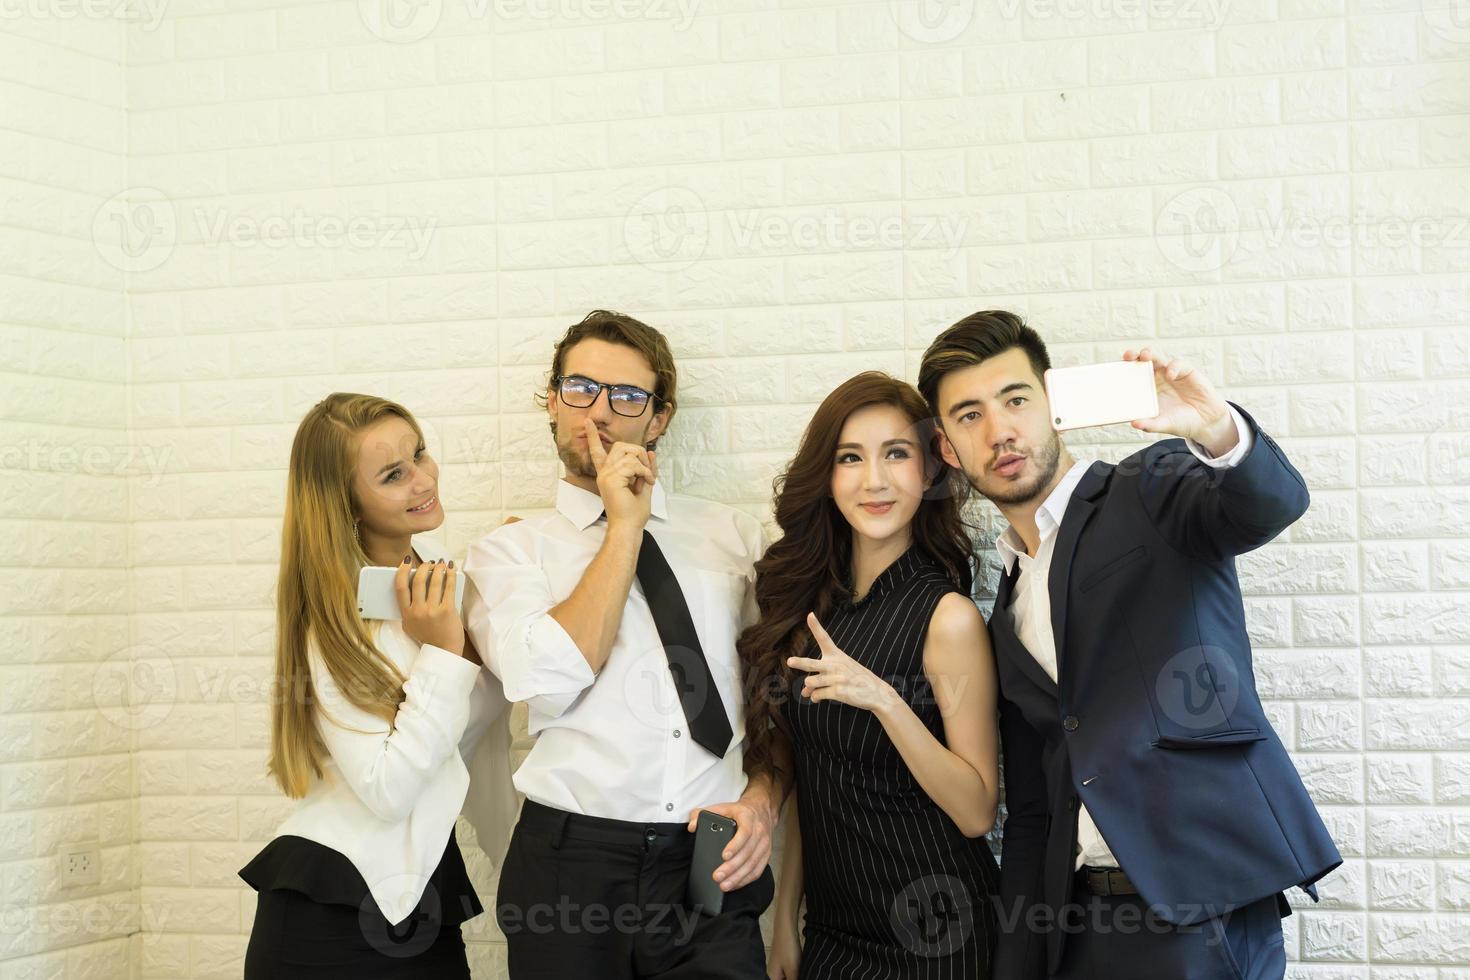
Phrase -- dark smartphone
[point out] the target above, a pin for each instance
(711, 836)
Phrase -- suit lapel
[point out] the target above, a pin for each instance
(1079, 511)
(1008, 643)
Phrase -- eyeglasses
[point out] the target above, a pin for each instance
(579, 392)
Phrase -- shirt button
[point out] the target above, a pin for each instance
(669, 807)
(1070, 723)
(676, 733)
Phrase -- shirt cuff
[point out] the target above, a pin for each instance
(1232, 458)
(455, 670)
(551, 673)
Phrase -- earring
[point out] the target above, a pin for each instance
(355, 532)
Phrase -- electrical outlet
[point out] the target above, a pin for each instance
(81, 864)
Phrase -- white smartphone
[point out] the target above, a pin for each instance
(377, 599)
(1101, 394)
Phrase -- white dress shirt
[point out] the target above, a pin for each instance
(1031, 606)
(389, 794)
(615, 744)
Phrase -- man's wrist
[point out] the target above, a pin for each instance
(625, 527)
(760, 792)
(1220, 436)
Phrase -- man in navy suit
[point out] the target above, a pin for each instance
(1154, 818)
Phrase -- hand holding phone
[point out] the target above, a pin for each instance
(430, 614)
(427, 599)
(713, 833)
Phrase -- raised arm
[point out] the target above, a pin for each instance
(1226, 488)
(508, 603)
(1214, 509)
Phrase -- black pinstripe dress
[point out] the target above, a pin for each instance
(893, 889)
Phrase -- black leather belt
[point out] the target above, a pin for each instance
(1105, 881)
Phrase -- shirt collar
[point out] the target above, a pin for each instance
(1048, 516)
(583, 507)
(427, 548)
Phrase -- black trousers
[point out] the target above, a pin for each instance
(591, 897)
(1115, 938)
(295, 936)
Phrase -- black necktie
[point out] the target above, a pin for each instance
(696, 685)
(1012, 577)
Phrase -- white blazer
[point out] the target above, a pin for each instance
(389, 795)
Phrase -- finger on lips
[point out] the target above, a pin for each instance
(594, 443)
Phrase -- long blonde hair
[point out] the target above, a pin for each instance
(316, 593)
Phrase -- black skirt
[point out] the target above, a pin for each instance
(316, 918)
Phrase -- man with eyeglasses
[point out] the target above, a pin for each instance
(615, 619)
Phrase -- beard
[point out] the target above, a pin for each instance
(575, 456)
(578, 462)
(1046, 462)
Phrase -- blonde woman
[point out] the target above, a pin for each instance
(373, 720)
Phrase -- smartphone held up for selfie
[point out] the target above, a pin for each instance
(711, 835)
(377, 599)
(1101, 394)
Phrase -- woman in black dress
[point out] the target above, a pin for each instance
(876, 684)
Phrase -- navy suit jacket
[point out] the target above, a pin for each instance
(1156, 725)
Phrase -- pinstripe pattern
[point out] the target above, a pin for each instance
(893, 889)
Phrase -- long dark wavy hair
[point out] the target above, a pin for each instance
(809, 568)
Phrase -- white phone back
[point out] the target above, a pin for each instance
(376, 598)
(1101, 394)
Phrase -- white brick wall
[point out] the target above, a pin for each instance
(413, 200)
(66, 746)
